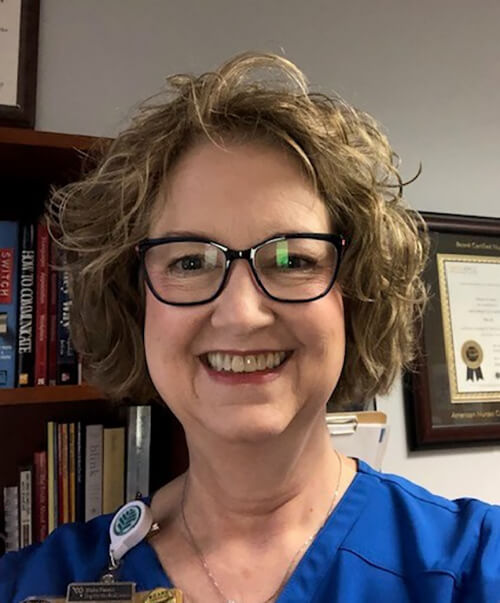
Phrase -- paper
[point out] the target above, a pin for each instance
(10, 34)
(469, 289)
(355, 436)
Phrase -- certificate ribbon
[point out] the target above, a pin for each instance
(472, 355)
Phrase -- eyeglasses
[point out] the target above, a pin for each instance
(186, 271)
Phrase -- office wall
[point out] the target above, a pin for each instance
(428, 70)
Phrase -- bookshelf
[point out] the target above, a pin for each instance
(30, 162)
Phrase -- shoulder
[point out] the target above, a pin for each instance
(408, 530)
(76, 551)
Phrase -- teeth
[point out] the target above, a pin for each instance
(244, 364)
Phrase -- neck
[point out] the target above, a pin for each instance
(257, 491)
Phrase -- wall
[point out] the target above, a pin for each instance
(427, 70)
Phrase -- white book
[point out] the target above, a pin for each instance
(11, 517)
(138, 451)
(93, 471)
(25, 507)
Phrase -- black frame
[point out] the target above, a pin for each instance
(244, 254)
(426, 390)
(23, 114)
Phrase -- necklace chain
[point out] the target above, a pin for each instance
(290, 567)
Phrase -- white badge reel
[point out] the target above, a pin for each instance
(129, 526)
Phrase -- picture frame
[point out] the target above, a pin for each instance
(452, 396)
(19, 21)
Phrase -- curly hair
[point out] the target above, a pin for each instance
(98, 220)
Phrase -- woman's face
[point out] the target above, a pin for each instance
(239, 197)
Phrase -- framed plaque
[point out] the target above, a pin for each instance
(453, 396)
(18, 61)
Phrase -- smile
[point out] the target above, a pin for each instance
(222, 362)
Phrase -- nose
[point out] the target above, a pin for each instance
(242, 306)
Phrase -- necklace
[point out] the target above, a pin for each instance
(290, 567)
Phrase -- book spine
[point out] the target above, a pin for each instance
(40, 497)
(52, 317)
(9, 267)
(113, 469)
(72, 471)
(93, 471)
(63, 490)
(25, 506)
(11, 517)
(26, 308)
(80, 471)
(138, 451)
(67, 362)
(42, 305)
(52, 470)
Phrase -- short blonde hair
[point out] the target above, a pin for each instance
(254, 96)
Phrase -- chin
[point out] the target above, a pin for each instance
(250, 429)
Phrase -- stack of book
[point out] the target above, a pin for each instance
(86, 470)
(35, 345)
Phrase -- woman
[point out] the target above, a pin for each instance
(241, 252)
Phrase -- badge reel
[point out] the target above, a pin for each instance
(129, 526)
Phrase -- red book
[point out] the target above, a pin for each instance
(40, 497)
(63, 495)
(52, 343)
(42, 304)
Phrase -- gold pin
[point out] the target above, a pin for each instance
(164, 595)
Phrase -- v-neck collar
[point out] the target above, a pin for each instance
(143, 566)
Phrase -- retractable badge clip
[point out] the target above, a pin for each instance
(129, 526)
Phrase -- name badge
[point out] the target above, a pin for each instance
(99, 592)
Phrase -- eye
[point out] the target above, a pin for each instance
(297, 262)
(188, 263)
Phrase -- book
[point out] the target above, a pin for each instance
(42, 304)
(26, 307)
(93, 471)
(9, 270)
(11, 517)
(67, 361)
(40, 494)
(52, 317)
(138, 451)
(63, 482)
(80, 472)
(113, 483)
(72, 471)
(52, 481)
(25, 506)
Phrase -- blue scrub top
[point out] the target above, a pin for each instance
(387, 540)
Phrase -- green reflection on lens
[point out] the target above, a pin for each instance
(282, 253)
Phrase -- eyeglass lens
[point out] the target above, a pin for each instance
(288, 269)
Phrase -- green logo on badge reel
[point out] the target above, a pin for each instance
(127, 520)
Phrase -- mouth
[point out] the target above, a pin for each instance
(222, 362)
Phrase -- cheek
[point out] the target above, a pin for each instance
(163, 337)
(169, 335)
(324, 329)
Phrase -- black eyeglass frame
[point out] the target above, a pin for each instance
(339, 242)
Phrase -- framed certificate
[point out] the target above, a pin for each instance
(18, 62)
(453, 396)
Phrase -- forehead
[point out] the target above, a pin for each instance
(240, 192)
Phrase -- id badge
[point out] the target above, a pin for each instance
(100, 592)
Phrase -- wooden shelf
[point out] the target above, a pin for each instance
(44, 394)
(43, 157)
(36, 138)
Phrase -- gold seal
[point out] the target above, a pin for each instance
(472, 354)
(164, 595)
